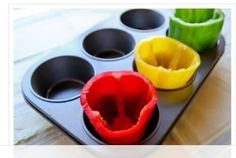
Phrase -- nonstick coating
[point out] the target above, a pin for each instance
(142, 19)
(61, 78)
(109, 43)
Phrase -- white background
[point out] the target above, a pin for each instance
(6, 63)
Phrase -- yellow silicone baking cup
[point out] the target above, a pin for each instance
(168, 63)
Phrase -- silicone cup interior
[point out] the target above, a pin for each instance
(119, 105)
(197, 28)
(168, 63)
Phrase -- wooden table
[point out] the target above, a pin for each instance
(207, 120)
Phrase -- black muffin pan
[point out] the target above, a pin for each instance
(52, 85)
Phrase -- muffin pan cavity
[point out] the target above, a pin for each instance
(142, 19)
(108, 44)
(61, 78)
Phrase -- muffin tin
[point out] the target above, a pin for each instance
(52, 85)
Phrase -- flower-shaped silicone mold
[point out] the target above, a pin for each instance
(168, 63)
(119, 105)
(198, 28)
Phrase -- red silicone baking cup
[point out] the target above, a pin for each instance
(119, 105)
